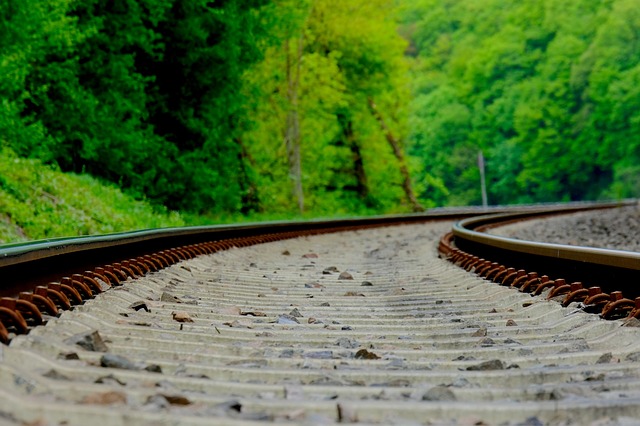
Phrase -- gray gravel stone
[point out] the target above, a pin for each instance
(605, 358)
(169, 298)
(439, 393)
(345, 342)
(494, 364)
(616, 229)
(295, 313)
(117, 361)
(91, 341)
(287, 320)
(319, 355)
(55, 375)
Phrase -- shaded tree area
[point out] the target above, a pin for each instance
(321, 106)
(144, 93)
(547, 89)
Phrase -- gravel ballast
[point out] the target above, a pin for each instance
(617, 229)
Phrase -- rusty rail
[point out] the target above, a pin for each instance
(42, 278)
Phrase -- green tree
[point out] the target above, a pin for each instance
(351, 58)
(28, 32)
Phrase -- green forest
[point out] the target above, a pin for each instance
(548, 90)
(227, 110)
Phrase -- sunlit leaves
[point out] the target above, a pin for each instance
(351, 51)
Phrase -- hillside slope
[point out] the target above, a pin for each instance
(38, 201)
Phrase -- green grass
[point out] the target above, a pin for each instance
(38, 201)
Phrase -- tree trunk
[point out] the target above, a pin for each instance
(397, 151)
(250, 199)
(362, 187)
(292, 132)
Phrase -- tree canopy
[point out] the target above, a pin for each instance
(140, 92)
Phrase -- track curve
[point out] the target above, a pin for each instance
(604, 279)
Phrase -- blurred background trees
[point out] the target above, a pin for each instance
(547, 89)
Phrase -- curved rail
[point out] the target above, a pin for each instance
(466, 230)
(24, 266)
(599, 278)
(41, 278)
(38, 261)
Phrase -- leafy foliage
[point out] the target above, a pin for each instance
(547, 89)
(212, 107)
(279, 107)
(140, 92)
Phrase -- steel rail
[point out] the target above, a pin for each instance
(23, 266)
(603, 280)
(12, 254)
(466, 230)
(72, 250)
(17, 253)
(42, 278)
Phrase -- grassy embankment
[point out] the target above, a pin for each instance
(38, 202)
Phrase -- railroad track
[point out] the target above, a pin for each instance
(356, 325)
